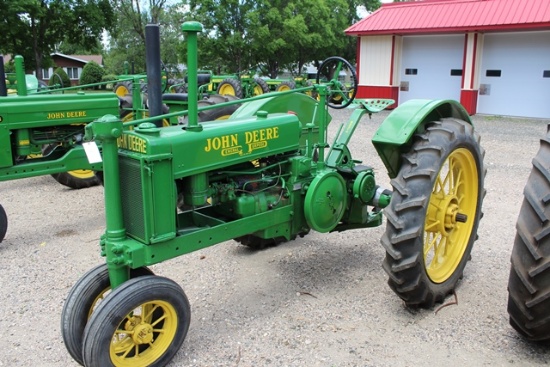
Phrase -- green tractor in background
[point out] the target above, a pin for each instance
(38, 129)
(42, 129)
(242, 86)
(263, 176)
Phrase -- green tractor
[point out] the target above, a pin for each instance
(263, 176)
(529, 280)
(42, 130)
(242, 86)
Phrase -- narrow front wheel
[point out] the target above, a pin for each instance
(85, 296)
(77, 179)
(434, 213)
(141, 323)
(3, 223)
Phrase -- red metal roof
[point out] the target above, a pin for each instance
(435, 16)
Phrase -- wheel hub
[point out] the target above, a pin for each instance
(445, 212)
(143, 334)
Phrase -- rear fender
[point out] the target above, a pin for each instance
(393, 137)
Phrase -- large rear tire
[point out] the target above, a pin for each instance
(3, 223)
(123, 88)
(221, 113)
(261, 86)
(285, 86)
(529, 281)
(230, 87)
(434, 213)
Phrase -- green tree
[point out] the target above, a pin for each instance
(45, 23)
(127, 42)
(274, 34)
(225, 44)
(91, 73)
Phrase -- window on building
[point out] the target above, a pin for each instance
(546, 74)
(72, 73)
(493, 73)
(411, 71)
(46, 73)
(456, 72)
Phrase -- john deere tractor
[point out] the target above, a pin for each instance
(266, 175)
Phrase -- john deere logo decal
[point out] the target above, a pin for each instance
(233, 143)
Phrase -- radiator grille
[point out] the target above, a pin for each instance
(132, 197)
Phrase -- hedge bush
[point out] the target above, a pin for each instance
(54, 79)
(92, 73)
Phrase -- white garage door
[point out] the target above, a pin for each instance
(515, 75)
(431, 67)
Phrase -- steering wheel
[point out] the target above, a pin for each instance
(341, 81)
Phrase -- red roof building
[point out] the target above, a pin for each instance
(489, 54)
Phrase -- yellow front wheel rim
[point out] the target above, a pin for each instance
(144, 335)
(450, 215)
(81, 174)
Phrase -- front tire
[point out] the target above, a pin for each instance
(529, 281)
(85, 296)
(141, 323)
(77, 179)
(3, 223)
(434, 213)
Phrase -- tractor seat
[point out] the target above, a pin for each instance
(374, 105)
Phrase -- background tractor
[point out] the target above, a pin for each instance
(529, 281)
(263, 176)
(42, 130)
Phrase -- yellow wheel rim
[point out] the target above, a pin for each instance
(227, 89)
(258, 90)
(81, 174)
(144, 335)
(283, 88)
(122, 91)
(100, 297)
(451, 215)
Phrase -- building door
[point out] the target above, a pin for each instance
(431, 67)
(515, 75)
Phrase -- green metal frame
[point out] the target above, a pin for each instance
(393, 136)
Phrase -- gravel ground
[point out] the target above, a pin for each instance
(322, 300)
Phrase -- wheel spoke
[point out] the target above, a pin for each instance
(429, 245)
(434, 224)
(158, 320)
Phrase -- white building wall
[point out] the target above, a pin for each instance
(376, 58)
